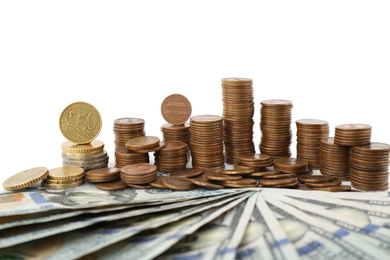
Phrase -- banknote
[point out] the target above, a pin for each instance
(23, 234)
(264, 238)
(88, 196)
(318, 238)
(83, 241)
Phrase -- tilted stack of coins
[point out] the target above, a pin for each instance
(140, 147)
(139, 175)
(352, 134)
(173, 157)
(177, 133)
(64, 178)
(80, 123)
(238, 110)
(334, 159)
(275, 128)
(310, 132)
(370, 167)
(206, 142)
(87, 156)
(125, 129)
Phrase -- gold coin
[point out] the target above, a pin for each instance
(61, 186)
(80, 123)
(94, 146)
(176, 109)
(25, 178)
(66, 173)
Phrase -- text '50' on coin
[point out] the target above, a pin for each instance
(80, 123)
(176, 109)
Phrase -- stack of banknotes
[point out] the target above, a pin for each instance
(87, 223)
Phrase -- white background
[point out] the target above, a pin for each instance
(330, 58)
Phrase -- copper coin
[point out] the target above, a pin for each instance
(173, 146)
(303, 187)
(112, 186)
(221, 177)
(276, 103)
(103, 172)
(138, 169)
(290, 163)
(178, 183)
(206, 119)
(279, 176)
(263, 173)
(142, 143)
(157, 183)
(188, 173)
(176, 109)
(205, 182)
(139, 186)
(268, 182)
(314, 178)
(323, 184)
(334, 188)
(241, 182)
(235, 172)
(353, 127)
(289, 185)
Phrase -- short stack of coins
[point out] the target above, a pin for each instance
(176, 132)
(139, 175)
(310, 132)
(370, 167)
(256, 161)
(206, 142)
(334, 159)
(238, 110)
(87, 156)
(352, 134)
(125, 129)
(64, 178)
(321, 182)
(173, 157)
(291, 165)
(103, 175)
(275, 128)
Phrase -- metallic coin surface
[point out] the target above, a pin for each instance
(112, 186)
(205, 182)
(188, 172)
(25, 178)
(178, 183)
(80, 123)
(138, 169)
(176, 109)
(61, 185)
(66, 173)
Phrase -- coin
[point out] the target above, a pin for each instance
(352, 134)
(112, 186)
(103, 175)
(334, 188)
(61, 184)
(288, 185)
(279, 176)
(188, 173)
(66, 173)
(25, 178)
(142, 143)
(178, 183)
(138, 169)
(176, 109)
(237, 172)
(272, 182)
(157, 183)
(216, 176)
(80, 122)
(203, 181)
(93, 146)
(291, 165)
(323, 184)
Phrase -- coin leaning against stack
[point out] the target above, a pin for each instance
(238, 110)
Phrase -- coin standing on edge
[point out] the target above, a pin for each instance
(25, 178)
(176, 109)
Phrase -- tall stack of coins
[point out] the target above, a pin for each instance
(127, 128)
(176, 132)
(352, 134)
(370, 167)
(334, 159)
(238, 109)
(310, 132)
(206, 142)
(173, 157)
(87, 156)
(275, 128)
(64, 178)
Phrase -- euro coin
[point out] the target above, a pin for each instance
(25, 178)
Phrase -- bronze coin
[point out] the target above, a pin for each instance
(289, 185)
(176, 109)
(236, 172)
(276, 103)
(374, 147)
(314, 178)
(221, 177)
(263, 173)
(139, 186)
(173, 146)
(142, 143)
(112, 186)
(178, 183)
(104, 172)
(157, 183)
(205, 119)
(268, 182)
(290, 163)
(138, 169)
(247, 181)
(303, 187)
(279, 176)
(353, 127)
(323, 184)
(188, 172)
(205, 182)
(334, 188)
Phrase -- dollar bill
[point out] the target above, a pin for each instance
(81, 242)
(264, 238)
(35, 200)
(218, 239)
(23, 234)
(318, 238)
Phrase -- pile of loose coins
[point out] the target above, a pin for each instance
(275, 128)
(310, 132)
(370, 167)
(334, 159)
(172, 157)
(64, 178)
(206, 142)
(238, 109)
(87, 156)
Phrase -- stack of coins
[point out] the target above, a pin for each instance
(280, 180)
(257, 161)
(176, 132)
(238, 109)
(310, 132)
(126, 129)
(103, 175)
(139, 175)
(321, 182)
(124, 156)
(64, 178)
(173, 157)
(206, 142)
(145, 144)
(275, 128)
(352, 134)
(291, 165)
(370, 167)
(334, 159)
(88, 156)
